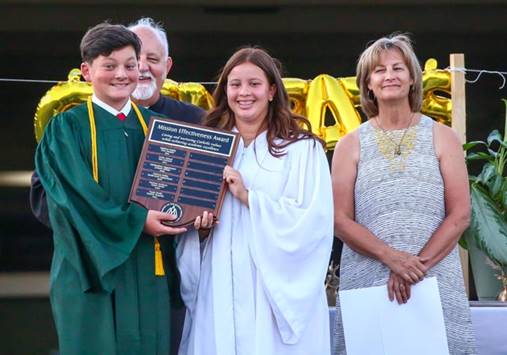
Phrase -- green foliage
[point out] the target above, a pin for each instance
(488, 226)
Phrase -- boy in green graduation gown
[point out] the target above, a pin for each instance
(105, 295)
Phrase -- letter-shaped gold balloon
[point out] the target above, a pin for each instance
(325, 94)
(193, 93)
(297, 89)
(349, 83)
(435, 83)
(170, 88)
(59, 98)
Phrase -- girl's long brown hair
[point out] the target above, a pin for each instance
(281, 122)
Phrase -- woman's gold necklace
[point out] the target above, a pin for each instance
(391, 149)
(396, 146)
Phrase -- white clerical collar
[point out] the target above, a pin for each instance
(125, 109)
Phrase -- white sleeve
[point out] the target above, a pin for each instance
(188, 258)
(292, 237)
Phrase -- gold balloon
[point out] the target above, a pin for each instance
(326, 94)
(349, 83)
(170, 88)
(193, 93)
(297, 89)
(59, 98)
(437, 92)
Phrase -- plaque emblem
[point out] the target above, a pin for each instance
(173, 209)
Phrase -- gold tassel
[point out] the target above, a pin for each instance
(159, 264)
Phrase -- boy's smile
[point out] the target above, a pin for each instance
(113, 77)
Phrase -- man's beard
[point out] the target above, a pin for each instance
(145, 91)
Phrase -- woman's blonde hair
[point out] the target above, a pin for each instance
(370, 58)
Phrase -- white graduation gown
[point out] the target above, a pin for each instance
(256, 285)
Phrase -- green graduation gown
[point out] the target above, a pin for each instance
(104, 294)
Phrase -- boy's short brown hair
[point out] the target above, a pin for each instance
(106, 38)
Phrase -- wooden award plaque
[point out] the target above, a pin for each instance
(180, 170)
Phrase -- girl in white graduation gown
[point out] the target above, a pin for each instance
(255, 285)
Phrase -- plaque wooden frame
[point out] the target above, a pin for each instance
(180, 170)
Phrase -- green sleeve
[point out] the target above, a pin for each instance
(92, 231)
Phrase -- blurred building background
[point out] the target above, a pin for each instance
(40, 40)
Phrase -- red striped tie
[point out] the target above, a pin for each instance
(121, 116)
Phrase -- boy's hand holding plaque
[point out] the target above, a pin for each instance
(180, 169)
